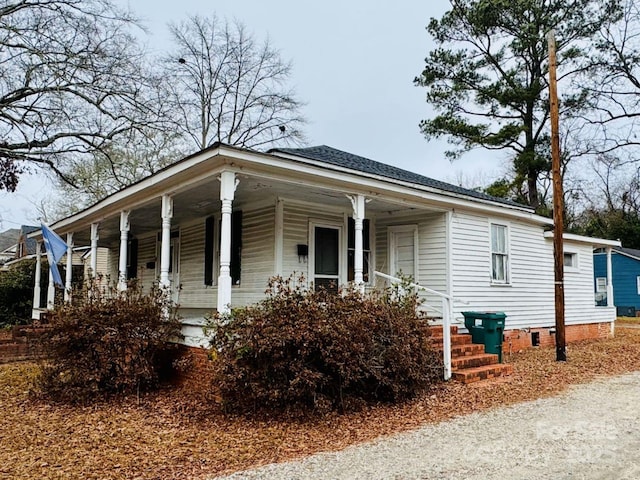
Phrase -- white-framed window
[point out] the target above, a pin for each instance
(499, 253)
(601, 284)
(638, 284)
(571, 260)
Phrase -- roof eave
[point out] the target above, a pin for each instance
(597, 242)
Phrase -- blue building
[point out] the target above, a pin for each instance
(625, 263)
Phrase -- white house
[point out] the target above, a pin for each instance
(216, 225)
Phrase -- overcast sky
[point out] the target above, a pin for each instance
(354, 64)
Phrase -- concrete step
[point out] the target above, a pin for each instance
(485, 372)
(473, 361)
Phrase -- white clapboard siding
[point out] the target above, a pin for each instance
(194, 293)
(112, 265)
(528, 300)
(258, 232)
(257, 263)
(102, 264)
(147, 258)
(432, 249)
(579, 288)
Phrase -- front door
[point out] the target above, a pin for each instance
(326, 257)
(403, 250)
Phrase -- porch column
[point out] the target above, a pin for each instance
(94, 249)
(35, 314)
(69, 272)
(51, 291)
(609, 279)
(165, 246)
(227, 192)
(357, 201)
(124, 236)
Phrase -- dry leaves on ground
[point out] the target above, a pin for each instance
(172, 434)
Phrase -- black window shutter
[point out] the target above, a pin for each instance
(132, 267)
(236, 247)
(208, 250)
(366, 228)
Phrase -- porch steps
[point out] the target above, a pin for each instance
(469, 362)
(486, 372)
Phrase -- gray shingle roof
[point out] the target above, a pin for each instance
(628, 251)
(9, 238)
(31, 243)
(332, 156)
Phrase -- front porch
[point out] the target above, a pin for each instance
(214, 239)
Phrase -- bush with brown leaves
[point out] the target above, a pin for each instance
(107, 342)
(302, 349)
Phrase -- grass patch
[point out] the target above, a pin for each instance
(173, 434)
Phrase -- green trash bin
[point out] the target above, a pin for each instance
(488, 332)
(476, 329)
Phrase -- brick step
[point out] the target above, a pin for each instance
(463, 350)
(457, 339)
(486, 372)
(436, 330)
(18, 351)
(473, 361)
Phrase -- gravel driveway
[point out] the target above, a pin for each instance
(590, 432)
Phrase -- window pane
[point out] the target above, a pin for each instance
(326, 251)
(498, 239)
(499, 267)
(570, 260)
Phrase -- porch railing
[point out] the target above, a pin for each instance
(447, 315)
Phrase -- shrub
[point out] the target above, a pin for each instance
(300, 349)
(16, 294)
(107, 342)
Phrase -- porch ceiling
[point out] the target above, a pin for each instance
(203, 199)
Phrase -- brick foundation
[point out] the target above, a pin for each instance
(20, 344)
(518, 340)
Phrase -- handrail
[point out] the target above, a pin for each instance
(447, 315)
(420, 287)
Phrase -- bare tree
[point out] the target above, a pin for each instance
(226, 87)
(612, 80)
(135, 156)
(70, 83)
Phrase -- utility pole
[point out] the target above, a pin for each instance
(558, 203)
